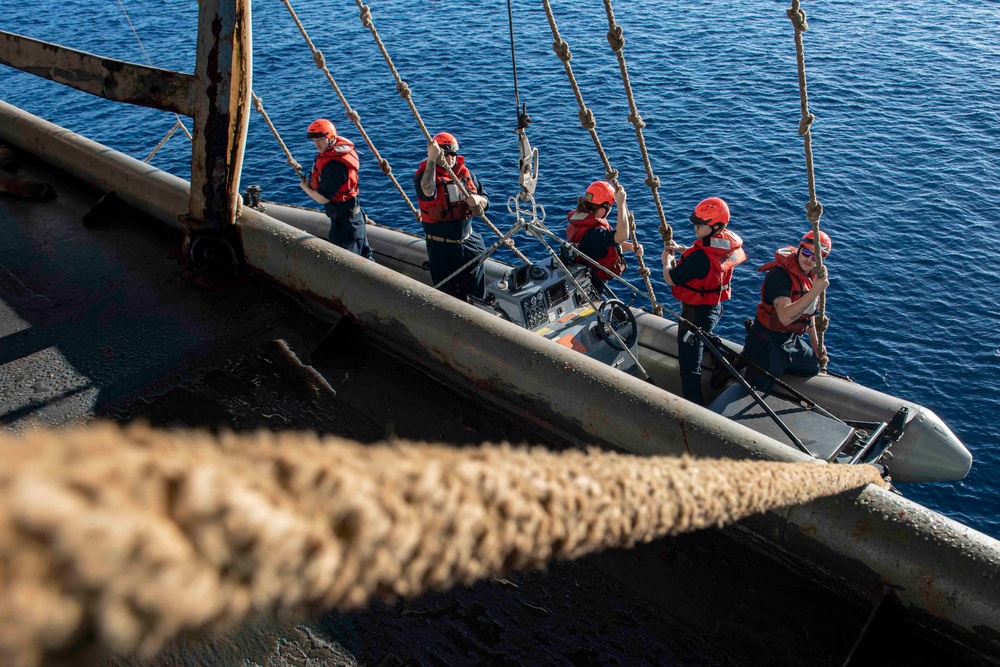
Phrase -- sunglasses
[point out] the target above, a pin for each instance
(809, 254)
(695, 220)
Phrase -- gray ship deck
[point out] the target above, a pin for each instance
(106, 322)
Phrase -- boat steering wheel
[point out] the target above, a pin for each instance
(615, 317)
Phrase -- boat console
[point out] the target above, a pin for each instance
(544, 300)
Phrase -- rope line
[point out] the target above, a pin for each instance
(259, 106)
(587, 121)
(352, 115)
(616, 40)
(130, 537)
(163, 141)
(149, 61)
(404, 91)
(814, 209)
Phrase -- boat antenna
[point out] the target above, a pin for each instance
(528, 162)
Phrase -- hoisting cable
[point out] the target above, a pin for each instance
(527, 163)
(616, 40)
(561, 47)
(259, 106)
(351, 114)
(404, 91)
(177, 121)
(814, 209)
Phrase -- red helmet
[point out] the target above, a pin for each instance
(711, 211)
(321, 128)
(600, 193)
(825, 244)
(447, 142)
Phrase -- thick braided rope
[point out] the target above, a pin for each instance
(587, 121)
(814, 209)
(351, 114)
(616, 39)
(404, 91)
(131, 537)
(259, 106)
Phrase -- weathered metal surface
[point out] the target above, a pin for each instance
(222, 112)
(944, 574)
(151, 190)
(105, 77)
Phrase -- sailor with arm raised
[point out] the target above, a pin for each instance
(701, 281)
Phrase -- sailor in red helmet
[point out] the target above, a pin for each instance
(593, 235)
(333, 182)
(788, 299)
(446, 214)
(701, 280)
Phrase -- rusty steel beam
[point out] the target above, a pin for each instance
(105, 77)
(222, 113)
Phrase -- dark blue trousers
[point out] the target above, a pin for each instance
(690, 347)
(347, 227)
(776, 353)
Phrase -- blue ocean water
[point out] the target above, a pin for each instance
(905, 143)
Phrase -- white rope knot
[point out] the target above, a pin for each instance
(653, 181)
(353, 116)
(637, 120)
(319, 60)
(587, 119)
(643, 271)
(385, 166)
(611, 175)
(403, 90)
(258, 105)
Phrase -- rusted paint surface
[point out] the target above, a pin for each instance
(223, 74)
(105, 77)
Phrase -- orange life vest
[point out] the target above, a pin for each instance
(787, 259)
(725, 252)
(448, 204)
(579, 224)
(341, 151)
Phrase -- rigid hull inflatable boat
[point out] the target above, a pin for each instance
(912, 442)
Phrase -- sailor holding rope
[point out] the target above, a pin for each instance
(701, 281)
(333, 182)
(590, 230)
(446, 214)
(787, 300)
